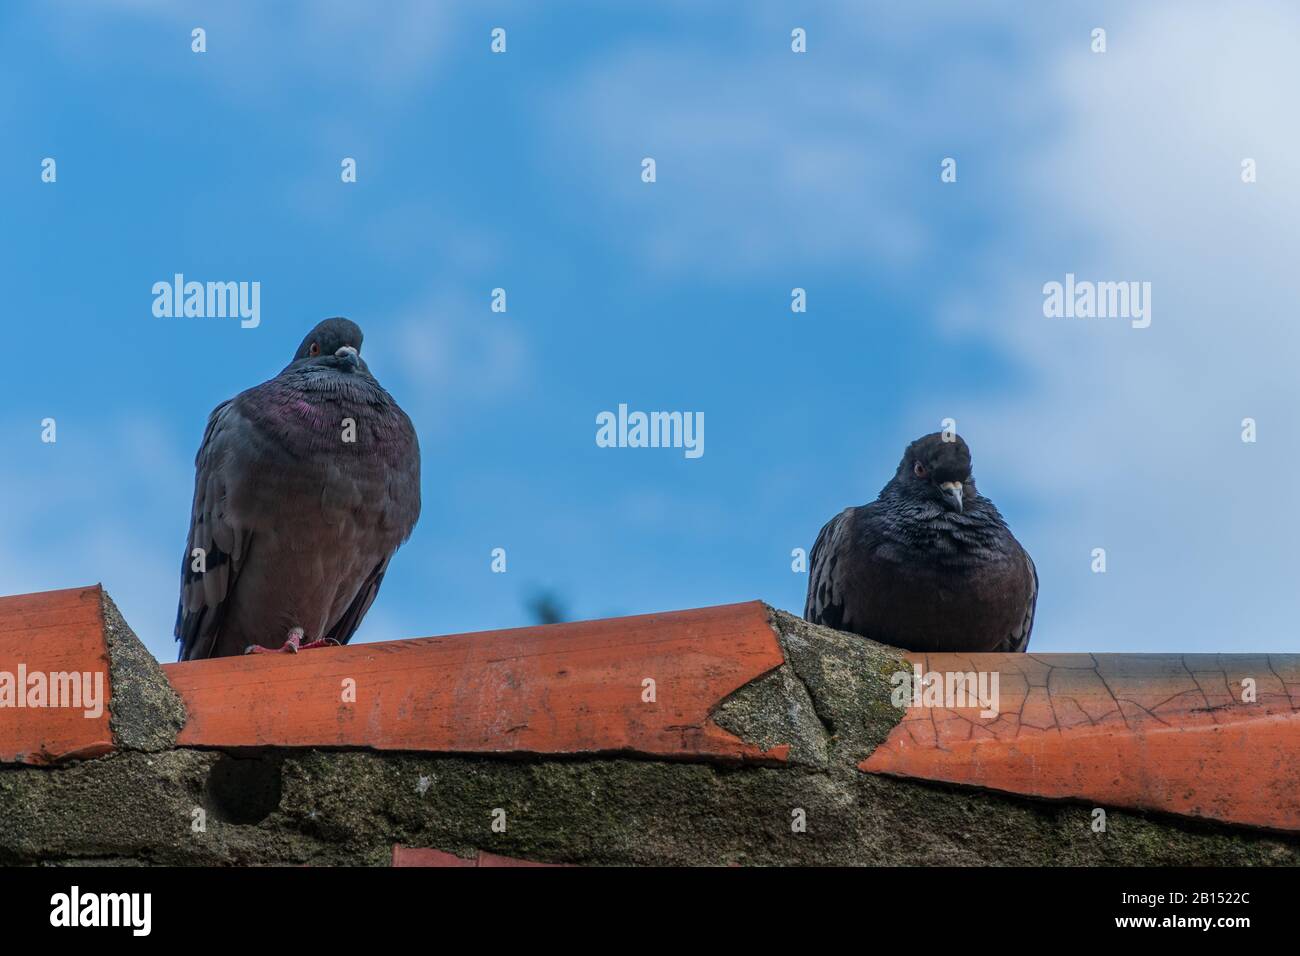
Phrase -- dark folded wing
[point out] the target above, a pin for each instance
(828, 572)
(347, 625)
(208, 578)
(1018, 640)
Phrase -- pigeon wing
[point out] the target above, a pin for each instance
(217, 546)
(1018, 640)
(347, 625)
(829, 572)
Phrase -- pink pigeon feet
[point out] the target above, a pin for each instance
(292, 644)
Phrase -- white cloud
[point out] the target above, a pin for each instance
(771, 184)
(252, 48)
(768, 159)
(1130, 439)
(447, 352)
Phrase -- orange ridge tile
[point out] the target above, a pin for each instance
(53, 633)
(419, 856)
(1164, 732)
(558, 689)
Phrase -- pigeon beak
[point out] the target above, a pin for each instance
(951, 494)
(349, 356)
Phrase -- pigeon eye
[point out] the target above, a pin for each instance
(918, 469)
(314, 350)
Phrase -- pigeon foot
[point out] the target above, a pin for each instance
(292, 644)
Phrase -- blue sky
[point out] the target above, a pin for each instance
(775, 170)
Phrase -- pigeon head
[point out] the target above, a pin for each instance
(334, 343)
(936, 470)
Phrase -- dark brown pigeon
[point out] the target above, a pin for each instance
(929, 565)
(294, 524)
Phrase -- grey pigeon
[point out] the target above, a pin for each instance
(929, 565)
(293, 524)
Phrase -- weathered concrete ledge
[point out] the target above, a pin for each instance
(761, 739)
